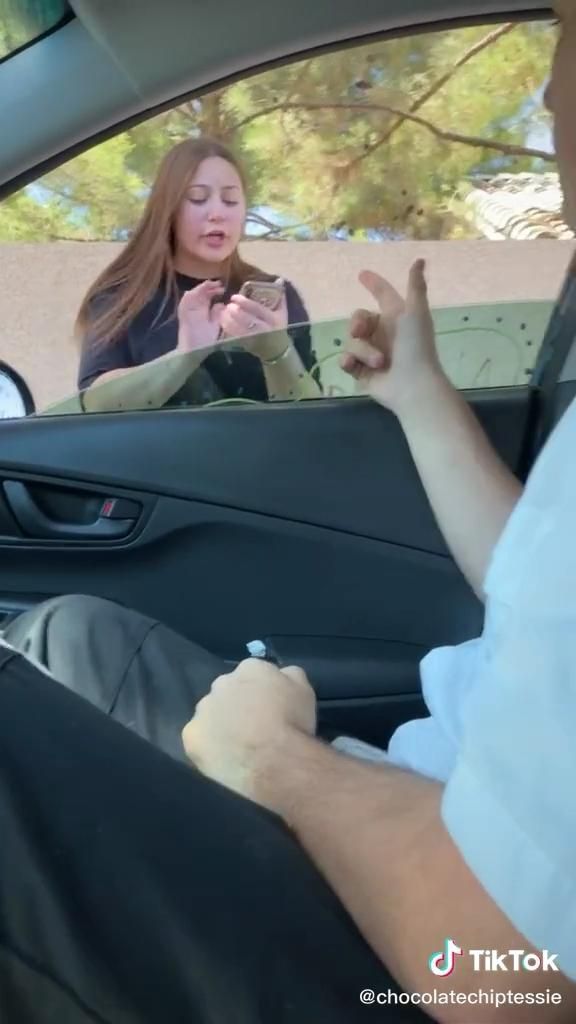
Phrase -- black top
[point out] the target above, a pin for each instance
(223, 374)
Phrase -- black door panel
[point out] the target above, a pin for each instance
(43, 511)
(92, 521)
(224, 577)
(377, 667)
(305, 525)
(340, 463)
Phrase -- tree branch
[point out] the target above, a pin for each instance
(275, 229)
(188, 111)
(464, 140)
(73, 238)
(410, 115)
(274, 233)
(473, 140)
(488, 40)
(257, 218)
(260, 113)
(435, 88)
(304, 70)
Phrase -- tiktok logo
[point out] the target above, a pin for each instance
(443, 963)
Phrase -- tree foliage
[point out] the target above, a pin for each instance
(378, 138)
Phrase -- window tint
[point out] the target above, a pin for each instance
(495, 345)
(433, 144)
(23, 21)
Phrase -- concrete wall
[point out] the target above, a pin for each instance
(43, 284)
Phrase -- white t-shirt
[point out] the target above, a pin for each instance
(510, 802)
(502, 731)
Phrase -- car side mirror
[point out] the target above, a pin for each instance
(15, 396)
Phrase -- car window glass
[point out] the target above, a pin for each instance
(495, 345)
(433, 144)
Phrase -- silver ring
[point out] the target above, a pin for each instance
(252, 325)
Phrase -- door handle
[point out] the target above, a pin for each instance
(36, 524)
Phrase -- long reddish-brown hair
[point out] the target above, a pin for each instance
(147, 260)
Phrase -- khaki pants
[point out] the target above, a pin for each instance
(136, 670)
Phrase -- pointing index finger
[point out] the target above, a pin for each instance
(389, 300)
(417, 295)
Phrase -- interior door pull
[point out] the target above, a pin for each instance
(35, 523)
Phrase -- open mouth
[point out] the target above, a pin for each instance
(215, 236)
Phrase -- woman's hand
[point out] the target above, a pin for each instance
(256, 326)
(393, 352)
(198, 319)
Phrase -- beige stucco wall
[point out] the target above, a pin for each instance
(42, 285)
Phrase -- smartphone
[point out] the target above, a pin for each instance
(267, 293)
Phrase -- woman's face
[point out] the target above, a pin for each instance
(210, 220)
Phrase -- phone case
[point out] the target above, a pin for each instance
(267, 293)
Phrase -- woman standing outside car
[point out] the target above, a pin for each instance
(175, 290)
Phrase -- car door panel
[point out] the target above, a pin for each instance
(303, 525)
(223, 577)
(339, 464)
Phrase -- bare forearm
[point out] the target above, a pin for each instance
(363, 827)
(376, 834)
(142, 387)
(287, 377)
(471, 491)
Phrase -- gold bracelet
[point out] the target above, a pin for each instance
(278, 359)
